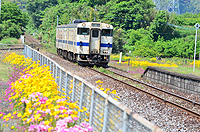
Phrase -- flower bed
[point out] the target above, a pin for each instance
(36, 101)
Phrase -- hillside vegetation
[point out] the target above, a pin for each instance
(138, 27)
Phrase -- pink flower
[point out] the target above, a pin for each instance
(56, 116)
(62, 107)
(23, 100)
(90, 128)
(75, 118)
(43, 100)
(48, 111)
(31, 128)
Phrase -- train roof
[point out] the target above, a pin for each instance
(74, 25)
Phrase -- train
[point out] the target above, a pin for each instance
(87, 43)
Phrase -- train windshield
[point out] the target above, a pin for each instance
(83, 31)
(107, 32)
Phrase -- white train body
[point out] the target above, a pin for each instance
(85, 42)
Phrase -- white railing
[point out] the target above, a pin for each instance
(104, 113)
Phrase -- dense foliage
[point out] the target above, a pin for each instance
(12, 20)
(138, 26)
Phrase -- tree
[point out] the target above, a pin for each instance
(93, 3)
(134, 36)
(10, 29)
(119, 40)
(12, 20)
(127, 14)
(36, 9)
(159, 27)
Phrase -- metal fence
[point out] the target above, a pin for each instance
(104, 113)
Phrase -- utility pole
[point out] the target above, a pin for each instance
(57, 20)
(94, 14)
(197, 27)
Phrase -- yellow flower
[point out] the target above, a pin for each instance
(24, 119)
(100, 86)
(113, 92)
(102, 89)
(117, 97)
(12, 127)
(19, 115)
(99, 81)
(14, 112)
(86, 119)
(84, 108)
(46, 123)
(49, 129)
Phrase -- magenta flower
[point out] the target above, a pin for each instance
(43, 100)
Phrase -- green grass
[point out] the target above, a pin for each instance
(50, 48)
(182, 67)
(10, 41)
(184, 70)
(183, 63)
(4, 69)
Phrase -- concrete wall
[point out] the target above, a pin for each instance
(181, 82)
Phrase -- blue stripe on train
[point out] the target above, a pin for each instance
(83, 43)
(70, 42)
(106, 45)
(65, 41)
(59, 40)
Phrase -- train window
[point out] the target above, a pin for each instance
(83, 31)
(107, 32)
(95, 33)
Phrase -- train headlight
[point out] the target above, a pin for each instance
(105, 51)
(107, 26)
(83, 24)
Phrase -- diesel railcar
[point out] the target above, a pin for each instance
(88, 43)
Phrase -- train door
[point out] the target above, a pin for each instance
(95, 41)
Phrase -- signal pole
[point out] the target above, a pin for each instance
(197, 27)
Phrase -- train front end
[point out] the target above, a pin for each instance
(95, 43)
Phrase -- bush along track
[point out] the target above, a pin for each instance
(37, 103)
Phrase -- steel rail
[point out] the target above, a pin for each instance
(12, 46)
(155, 96)
(156, 88)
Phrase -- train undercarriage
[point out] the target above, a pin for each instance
(85, 59)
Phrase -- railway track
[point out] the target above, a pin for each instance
(158, 93)
(11, 46)
(30, 40)
(159, 111)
